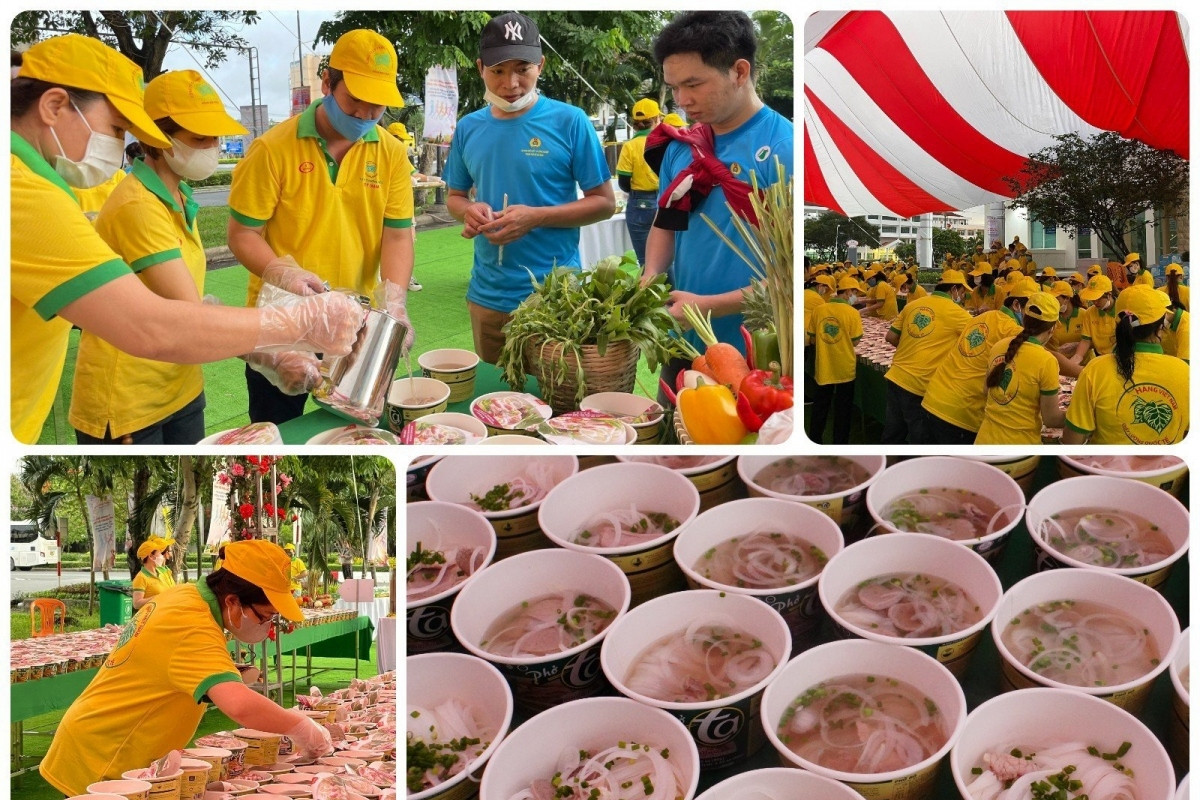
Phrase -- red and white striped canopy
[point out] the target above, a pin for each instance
(917, 111)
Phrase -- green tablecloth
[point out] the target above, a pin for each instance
(487, 379)
(328, 640)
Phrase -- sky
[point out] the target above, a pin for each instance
(275, 37)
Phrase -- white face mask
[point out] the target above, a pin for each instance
(521, 103)
(251, 630)
(101, 160)
(191, 163)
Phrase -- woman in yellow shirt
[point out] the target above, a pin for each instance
(150, 222)
(636, 179)
(72, 100)
(1174, 288)
(1099, 324)
(154, 577)
(881, 297)
(1022, 384)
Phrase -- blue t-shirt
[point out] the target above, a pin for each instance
(703, 263)
(536, 159)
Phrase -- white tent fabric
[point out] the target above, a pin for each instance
(916, 111)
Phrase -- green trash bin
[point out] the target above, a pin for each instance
(116, 602)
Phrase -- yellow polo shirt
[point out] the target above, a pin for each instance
(884, 292)
(928, 329)
(632, 164)
(812, 299)
(957, 390)
(1176, 336)
(1145, 277)
(1099, 328)
(1013, 414)
(152, 584)
(149, 696)
(296, 569)
(835, 328)
(329, 217)
(115, 392)
(1184, 293)
(989, 299)
(56, 258)
(93, 199)
(916, 293)
(1069, 332)
(1153, 410)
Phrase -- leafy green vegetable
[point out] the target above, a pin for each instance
(598, 306)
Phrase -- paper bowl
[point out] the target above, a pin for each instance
(475, 430)
(1118, 494)
(1170, 477)
(437, 677)
(97, 796)
(797, 603)
(543, 409)
(129, 789)
(262, 747)
(532, 751)
(456, 478)
(438, 524)
(1022, 469)
(779, 783)
(412, 398)
(453, 367)
(629, 406)
(196, 775)
(580, 498)
(726, 730)
(1179, 727)
(937, 472)
(216, 757)
(1146, 606)
(415, 475)
(845, 507)
(162, 787)
(922, 554)
(857, 657)
(1182, 792)
(503, 439)
(539, 682)
(715, 477)
(1039, 717)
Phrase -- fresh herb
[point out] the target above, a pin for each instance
(498, 498)
(420, 556)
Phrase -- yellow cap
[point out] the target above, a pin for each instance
(1144, 303)
(291, 548)
(398, 130)
(151, 545)
(1061, 289)
(85, 63)
(1075, 277)
(899, 279)
(646, 109)
(1132, 257)
(1043, 306)
(1026, 287)
(184, 96)
(1097, 286)
(1094, 269)
(953, 276)
(1173, 269)
(1049, 272)
(848, 283)
(368, 65)
(674, 119)
(826, 280)
(982, 269)
(268, 567)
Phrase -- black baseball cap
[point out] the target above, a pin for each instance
(510, 36)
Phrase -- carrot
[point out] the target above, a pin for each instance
(726, 364)
(700, 364)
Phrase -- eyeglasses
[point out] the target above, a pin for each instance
(263, 620)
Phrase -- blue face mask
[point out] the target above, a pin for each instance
(348, 126)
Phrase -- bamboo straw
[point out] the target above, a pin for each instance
(500, 250)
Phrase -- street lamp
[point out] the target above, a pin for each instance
(836, 235)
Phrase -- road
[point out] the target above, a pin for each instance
(211, 196)
(39, 580)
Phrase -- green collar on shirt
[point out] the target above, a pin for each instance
(1034, 340)
(149, 574)
(1111, 312)
(210, 599)
(945, 295)
(1009, 311)
(306, 128)
(1147, 347)
(643, 133)
(1175, 320)
(154, 184)
(33, 159)
(839, 300)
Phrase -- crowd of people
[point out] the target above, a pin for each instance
(325, 199)
(979, 360)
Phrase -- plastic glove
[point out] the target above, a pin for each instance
(309, 738)
(393, 298)
(292, 372)
(285, 273)
(325, 323)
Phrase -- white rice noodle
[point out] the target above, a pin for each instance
(1100, 777)
(619, 773)
(451, 719)
(711, 658)
(618, 528)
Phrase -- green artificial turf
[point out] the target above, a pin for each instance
(438, 313)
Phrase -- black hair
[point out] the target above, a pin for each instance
(134, 151)
(167, 126)
(224, 583)
(26, 92)
(1012, 298)
(335, 77)
(1129, 335)
(987, 279)
(719, 38)
(1033, 327)
(946, 287)
(1173, 290)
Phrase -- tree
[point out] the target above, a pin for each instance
(830, 230)
(608, 48)
(946, 240)
(775, 57)
(1103, 184)
(142, 36)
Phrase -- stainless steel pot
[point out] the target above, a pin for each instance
(355, 386)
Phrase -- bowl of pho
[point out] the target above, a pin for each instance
(834, 485)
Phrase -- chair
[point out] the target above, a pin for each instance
(54, 614)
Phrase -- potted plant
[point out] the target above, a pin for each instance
(582, 332)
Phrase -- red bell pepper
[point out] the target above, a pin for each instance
(749, 417)
(767, 393)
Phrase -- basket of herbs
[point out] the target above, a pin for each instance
(583, 331)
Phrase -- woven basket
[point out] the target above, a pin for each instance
(615, 371)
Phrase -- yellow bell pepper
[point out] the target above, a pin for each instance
(710, 415)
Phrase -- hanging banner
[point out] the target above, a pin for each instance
(441, 104)
(296, 532)
(218, 523)
(377, 549)
(301, 98)
(104, 532)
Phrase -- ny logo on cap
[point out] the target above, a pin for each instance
(512, 30)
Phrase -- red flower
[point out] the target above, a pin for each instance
(246, 510)
(252, 459)
(269, 509)
(281, 513)
(224, 478)
(237, 469)
(247, 535)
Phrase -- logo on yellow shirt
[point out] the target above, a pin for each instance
(971, 345)
(124, 649)
(920, 324)
(831, 332)
(306, 167)
(1006, 391)
(1148, 413)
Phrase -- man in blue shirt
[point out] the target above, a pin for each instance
(524, 156)
(708, 62)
